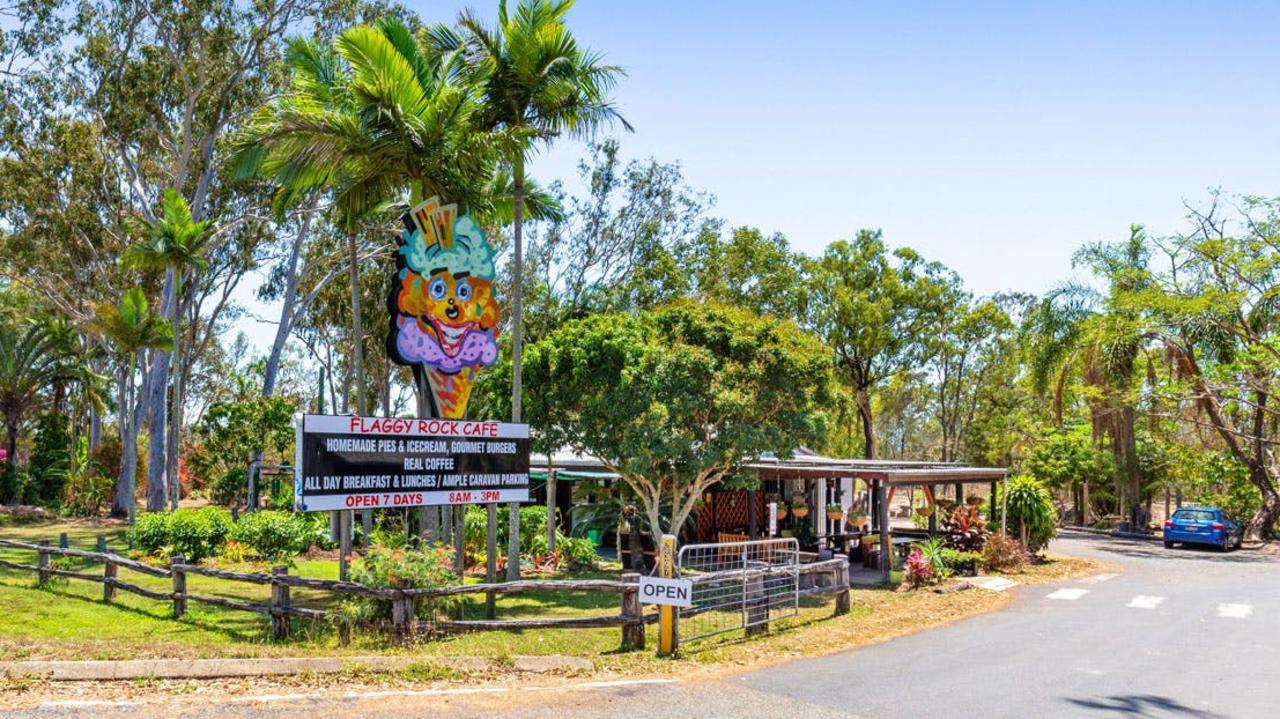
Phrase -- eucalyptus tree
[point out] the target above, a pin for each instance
(538, 84)
(130, 327)
(1211, 310)
(876, 310)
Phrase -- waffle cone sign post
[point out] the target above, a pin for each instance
(667, 613)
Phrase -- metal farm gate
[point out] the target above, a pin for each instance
(737, 585)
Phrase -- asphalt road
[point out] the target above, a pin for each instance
(1181, 633)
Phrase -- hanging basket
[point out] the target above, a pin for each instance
(925, 511)
(833, 516)
(781, 511)
(857, 520)
(800, 512)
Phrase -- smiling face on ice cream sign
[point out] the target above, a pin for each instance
(444, 317)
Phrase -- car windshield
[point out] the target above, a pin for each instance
(1194, 515)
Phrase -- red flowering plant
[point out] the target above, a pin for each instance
(384, 568)
(919, 572)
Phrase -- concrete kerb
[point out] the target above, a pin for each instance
(223, 668)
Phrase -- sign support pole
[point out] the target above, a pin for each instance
(491, 558)
(668, 642)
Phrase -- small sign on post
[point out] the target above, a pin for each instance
(667, 612)
(666, 592)
(773, 519)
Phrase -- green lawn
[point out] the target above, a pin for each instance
(68, 618)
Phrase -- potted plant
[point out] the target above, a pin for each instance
(856, 520)
(799, 509)
(834, 511)
(781, 511)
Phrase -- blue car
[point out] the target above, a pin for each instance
(1203, 525)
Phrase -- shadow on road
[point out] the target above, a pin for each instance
(1144, 705)
(1151, 550)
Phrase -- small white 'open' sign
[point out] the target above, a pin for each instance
(670, 592)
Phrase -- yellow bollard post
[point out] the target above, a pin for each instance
(667, 640)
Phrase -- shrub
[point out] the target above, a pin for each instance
(965, 529)
(1031, 512)
(918, 570)
(1003, 553)
(194, 534)
(384, 568)
(961, 562)
(932, 551)
(200, 533)
(150, 532)
(273, 535)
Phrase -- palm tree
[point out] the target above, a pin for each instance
(175, 243)
(130, 327)
(538, 84)
(32, 358)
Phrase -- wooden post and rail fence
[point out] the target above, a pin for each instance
(825, 578)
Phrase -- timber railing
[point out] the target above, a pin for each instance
(404, 622)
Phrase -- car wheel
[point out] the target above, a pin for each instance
(1168, 544)
(1226, 545)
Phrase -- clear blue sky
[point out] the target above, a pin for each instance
(995, 137)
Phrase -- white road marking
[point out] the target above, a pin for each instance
(994, 584)
(1144, 601)
(1068, 594)
(1097, 578)
(1235, 611)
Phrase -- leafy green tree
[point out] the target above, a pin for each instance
(1031, 510)
(875, 313)
(130, 327)
(675, 399)
(233, 434)
(51, 460)
(1213, 316)
(1068, 459)
(31, 360)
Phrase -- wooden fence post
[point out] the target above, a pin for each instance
(279, 601)
(632, 632)
(102, 544)
(108, 574)
(179, 586)
(401, 612)
(43, 563)
(63, 541)
(842, 581)
(756, 605)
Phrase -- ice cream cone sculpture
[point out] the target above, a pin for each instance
(444, 317)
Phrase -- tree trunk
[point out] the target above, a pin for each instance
(1261, 525)
(287, 314)
(173, 440)
(517, 353)
(357, 328)
(11, 464)
(157, 385)
(868, 429)
(126, 496)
